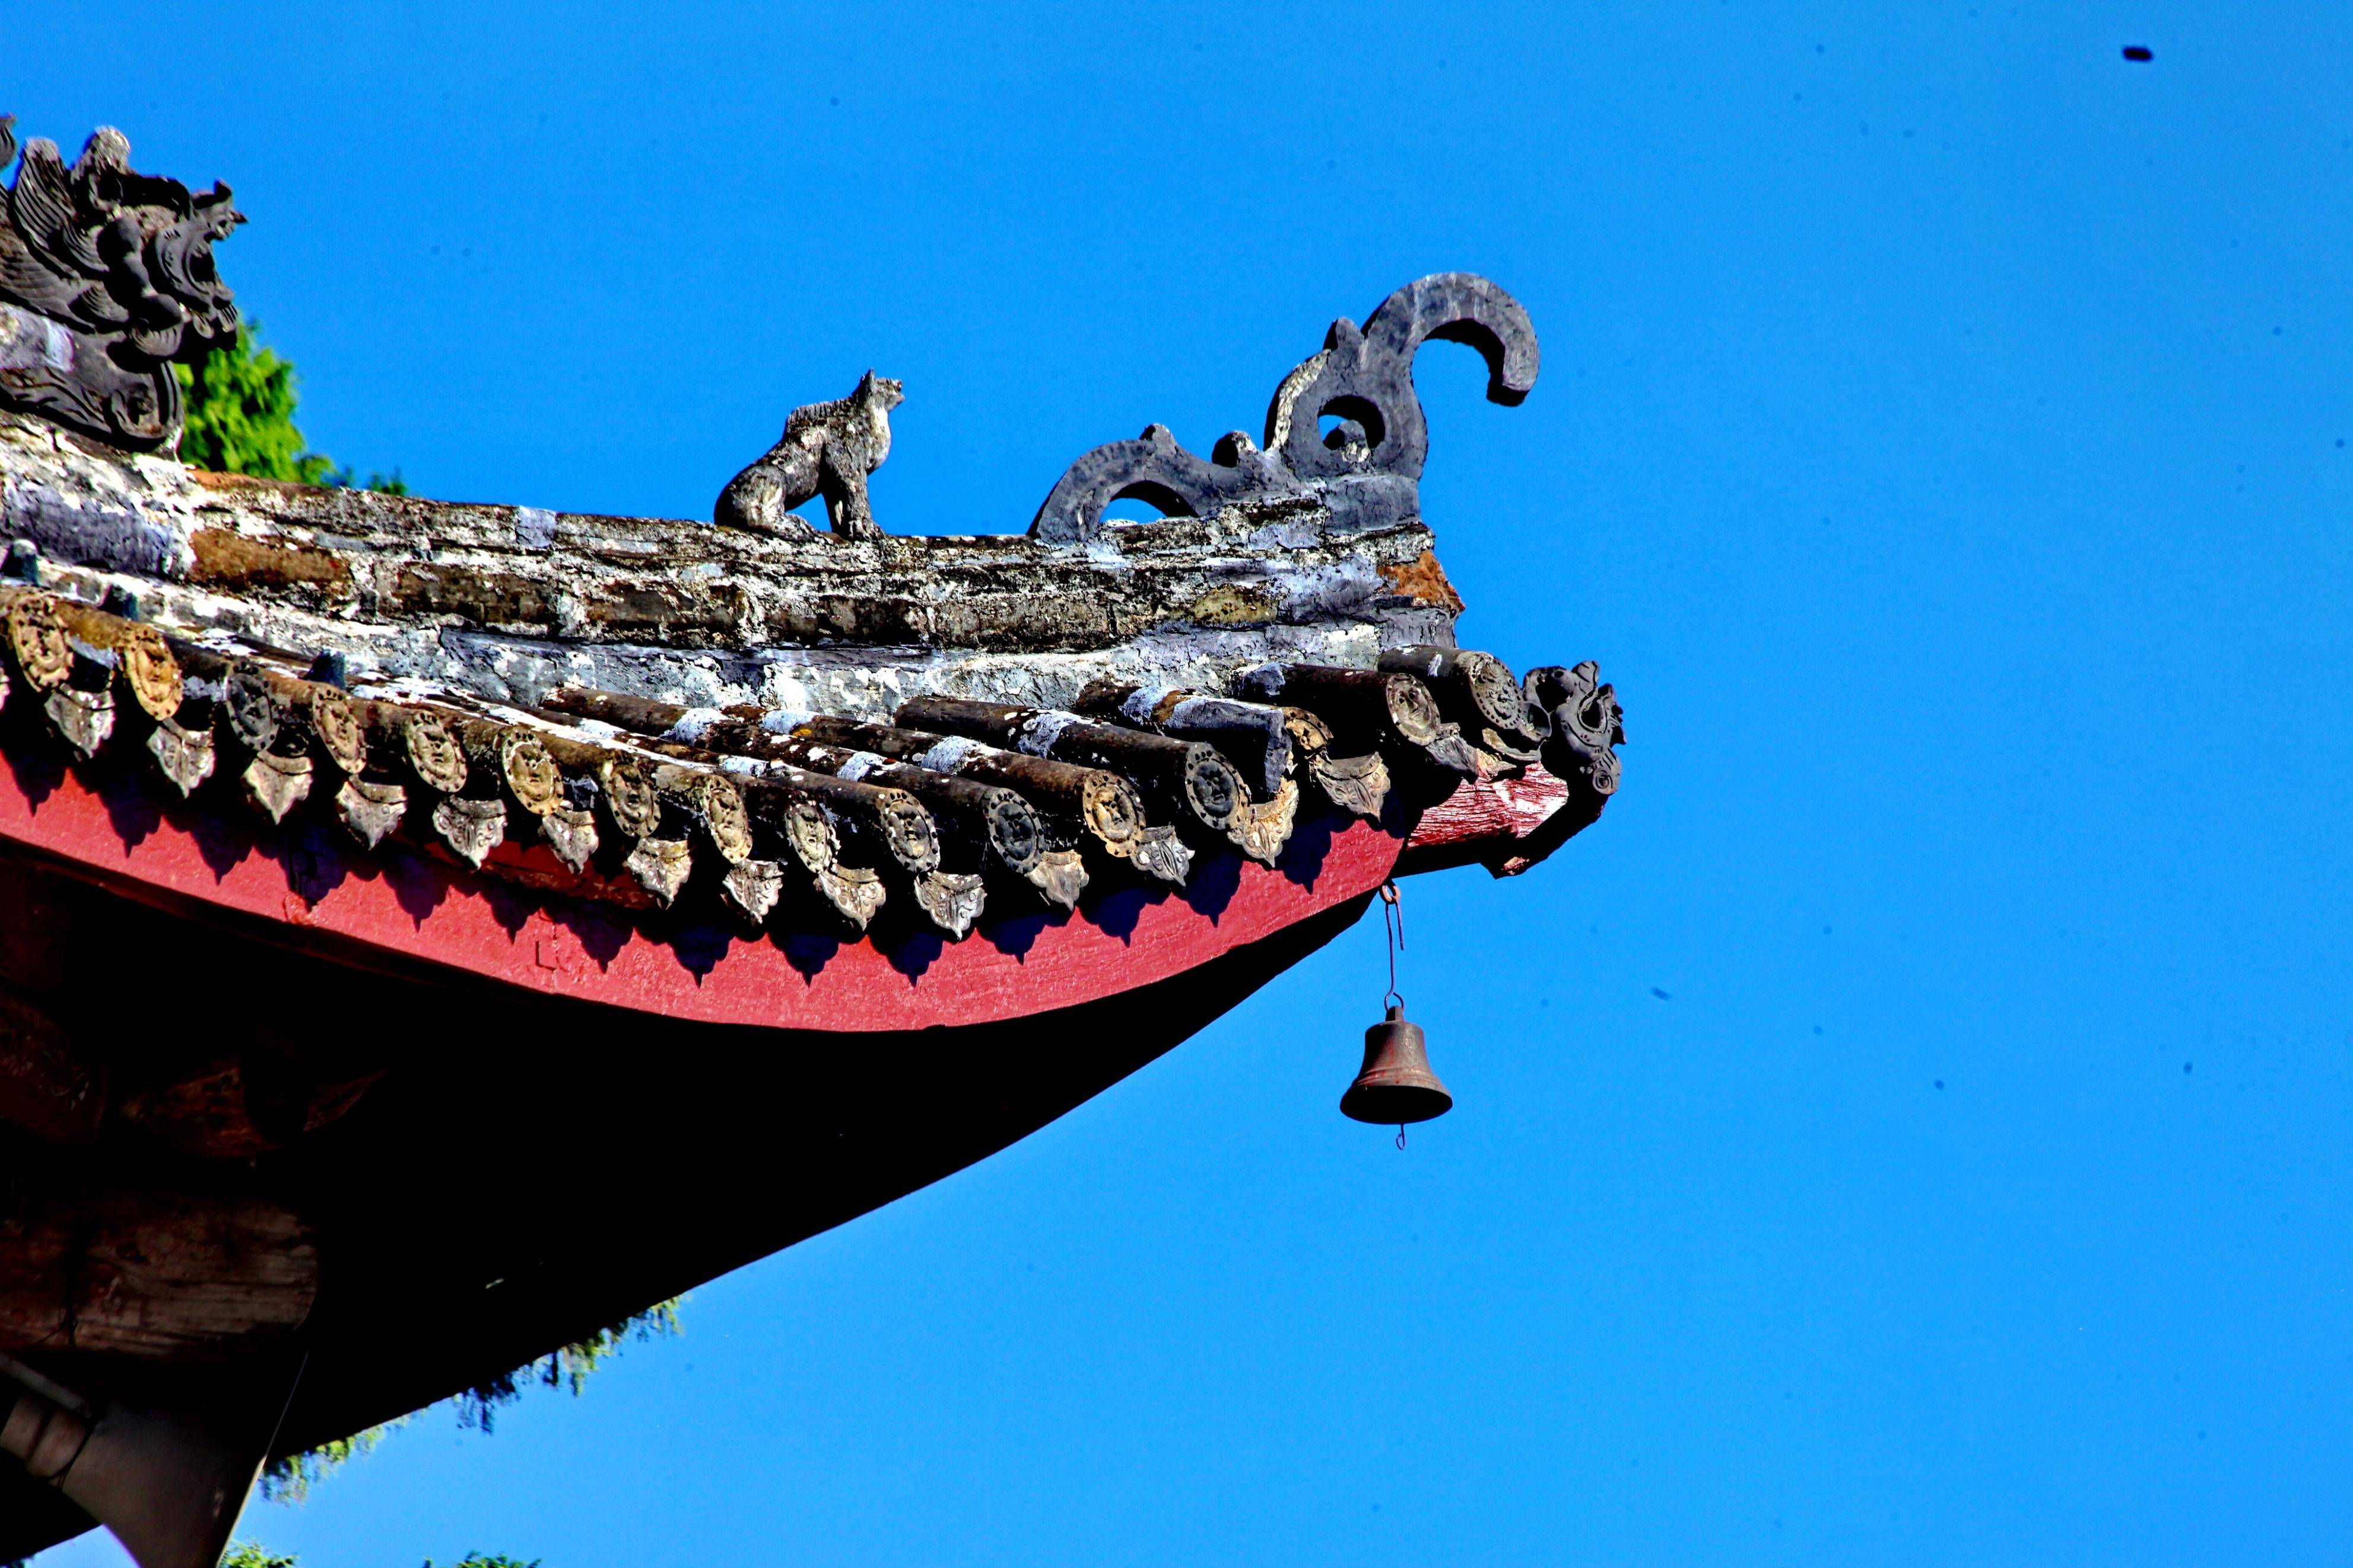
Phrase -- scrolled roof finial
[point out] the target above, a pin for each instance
(1367, 467)
(1366, 376)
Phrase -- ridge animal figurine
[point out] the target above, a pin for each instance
(826, 448)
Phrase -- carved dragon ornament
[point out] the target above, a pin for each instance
(106, 277)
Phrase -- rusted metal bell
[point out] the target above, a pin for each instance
(1397, 1085)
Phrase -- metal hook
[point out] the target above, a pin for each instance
(1393, 924)
(1400, 1137)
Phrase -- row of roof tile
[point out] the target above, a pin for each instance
(792, 818)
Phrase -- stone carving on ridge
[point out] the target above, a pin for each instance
(1367, 469)
(106, 277)
(828, 449)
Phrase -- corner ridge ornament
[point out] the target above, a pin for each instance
(106, 277)
(1366, 469)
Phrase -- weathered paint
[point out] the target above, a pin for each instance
(399, 906)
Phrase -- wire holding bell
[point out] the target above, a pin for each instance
(1393, 922)
(1396, 1085)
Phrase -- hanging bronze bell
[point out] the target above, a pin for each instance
(1397, 1085)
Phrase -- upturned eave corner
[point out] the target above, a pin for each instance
(394, 804)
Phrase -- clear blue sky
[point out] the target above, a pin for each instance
(1941, 442)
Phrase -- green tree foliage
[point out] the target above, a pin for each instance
(252, 1554)
(289, 1480)
(240, 413)
(569, 1367)
(390, 484)
(240, 401)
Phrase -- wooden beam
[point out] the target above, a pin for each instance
(45, 1086)
(159, 1275)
